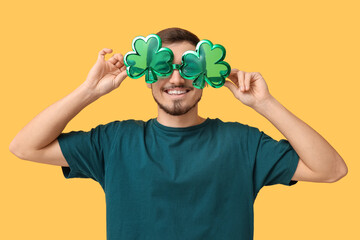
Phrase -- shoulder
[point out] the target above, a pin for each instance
(231, 128)
(249, 132)
(230, 125)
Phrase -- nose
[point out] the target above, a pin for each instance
(176, 78)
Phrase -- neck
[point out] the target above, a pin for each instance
(189, 119)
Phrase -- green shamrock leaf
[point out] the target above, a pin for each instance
(205, 65)
(148, 58)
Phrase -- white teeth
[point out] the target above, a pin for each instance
(173, 92)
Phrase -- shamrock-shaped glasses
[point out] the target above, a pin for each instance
(205, 64)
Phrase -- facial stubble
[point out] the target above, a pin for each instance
(177, 109)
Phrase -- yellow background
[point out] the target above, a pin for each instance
(307, 52)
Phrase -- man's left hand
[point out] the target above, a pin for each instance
(249, 87)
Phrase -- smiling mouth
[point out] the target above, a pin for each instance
(177, 91)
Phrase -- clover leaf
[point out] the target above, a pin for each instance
(206, 65)
(148, 58)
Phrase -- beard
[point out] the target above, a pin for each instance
(176, 108)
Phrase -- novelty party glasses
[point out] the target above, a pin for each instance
(205, 64)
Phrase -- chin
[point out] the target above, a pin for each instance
(177, 107)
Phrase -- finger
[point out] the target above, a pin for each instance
(230, 86)
(112, 60)
(233, 76)
(118, 64)
(116, 58)
(234, 79)
(103, 52)
(119, 78)
(119, 57)
(233, 73)
(241, 79)
(247, 81)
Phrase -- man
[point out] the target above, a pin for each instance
(178, 176)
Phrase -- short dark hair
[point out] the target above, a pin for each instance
(174, 34)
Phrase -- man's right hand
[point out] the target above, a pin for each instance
(105, 76)
(37, 141)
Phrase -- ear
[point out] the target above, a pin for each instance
(148, 85)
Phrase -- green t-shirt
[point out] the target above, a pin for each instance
(192, 183)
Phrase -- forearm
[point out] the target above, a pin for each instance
(311, 147)
(49, 124)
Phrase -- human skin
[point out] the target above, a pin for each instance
(319, 161)
(37, 141)
(175, 81)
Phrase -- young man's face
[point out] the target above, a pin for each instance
(174, 94)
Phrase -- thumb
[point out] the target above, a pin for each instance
(230, 86)
(119, 78)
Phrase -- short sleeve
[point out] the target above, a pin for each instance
(84, 152)
(273, 162)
